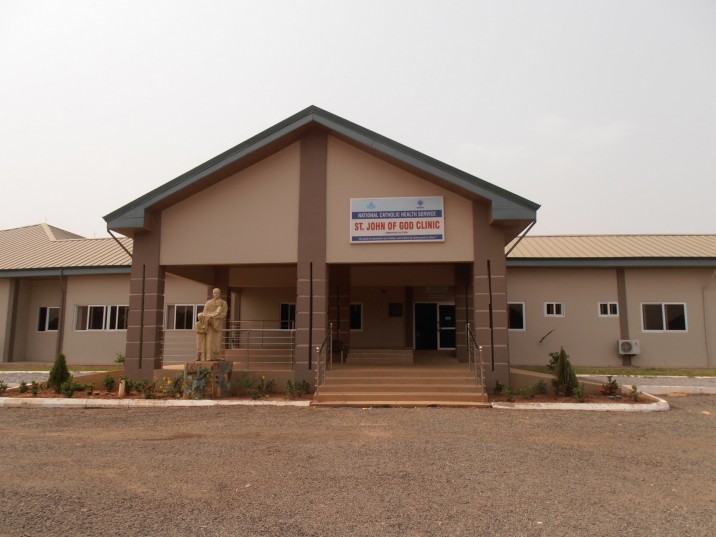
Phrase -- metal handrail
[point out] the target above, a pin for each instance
(474, 358)
(253, 348)
(324, 351)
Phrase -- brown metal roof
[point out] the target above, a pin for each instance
(615, 247)
(46, 247)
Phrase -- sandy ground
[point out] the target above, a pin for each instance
(306, 471)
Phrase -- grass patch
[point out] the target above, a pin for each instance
(642, 372)
(30, 366)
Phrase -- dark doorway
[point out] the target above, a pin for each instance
(434, 326)
(426, 327)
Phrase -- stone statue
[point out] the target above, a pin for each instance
(209, 326)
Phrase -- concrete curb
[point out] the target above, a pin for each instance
(658, 406)
(15, 402)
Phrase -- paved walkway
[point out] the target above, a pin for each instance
(661, 385)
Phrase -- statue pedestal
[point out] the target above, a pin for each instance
(218, 380)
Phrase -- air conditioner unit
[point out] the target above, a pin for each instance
(628, 346)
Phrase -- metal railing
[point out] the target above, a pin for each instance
(253, 349)
(474, 359)
(324, 356)
(262, 324)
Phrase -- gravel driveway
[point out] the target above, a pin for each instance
(306, 471)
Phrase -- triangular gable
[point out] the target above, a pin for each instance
(506, 207)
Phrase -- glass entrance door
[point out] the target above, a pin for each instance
(434, 326)
(446, 326)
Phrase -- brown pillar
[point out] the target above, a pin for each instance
(312, 276)
(146, 304)
(339, 306)
(462, 282)
(8, 345)
(490, 296)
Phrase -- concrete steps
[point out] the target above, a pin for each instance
(380, 357)
(416, 385)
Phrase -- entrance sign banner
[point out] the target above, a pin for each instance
(397, 219)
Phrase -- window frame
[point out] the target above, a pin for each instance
(350, 316)
(664, 318)
(524, 317)
(108, 319)
(289, 322)
(561, 305)
(608, 304)
(46, 320)
(196, 309)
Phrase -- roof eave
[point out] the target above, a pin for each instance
(613, 262)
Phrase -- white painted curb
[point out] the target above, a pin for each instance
(659, 406)
(16, 402)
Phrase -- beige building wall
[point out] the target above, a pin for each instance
(589, 339)
(263, 276)
(36, 346)
(178, 290)
(5, 312)
(405, 275)
(352, 173)
(94, 347)
(675, 348)
(379, 330)
(264, 303)
(249, 217)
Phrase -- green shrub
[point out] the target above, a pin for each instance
(59, 374)
(297, 389)
(610, 388)
(119, 358)
(69, 387)
(34, 387)
(526, 392)
(173, 387)
(540, 388)
(263, 388)
(109, 382)
(566, 381)
(128, 384)
(23, 387)
(508, 394)
(3, 386)
(634, 393)
(579, 392)
(499, 388)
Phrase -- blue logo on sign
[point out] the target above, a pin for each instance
(371, 205)
(421, 203)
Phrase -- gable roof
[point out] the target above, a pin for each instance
(45, 250)
(614, 250)
(506, 206)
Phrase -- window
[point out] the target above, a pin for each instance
(356, 317)
(48, 319)
(101, 318)
(288, 316)
(182, 316)
(516, 315)
(663, 317)
(608, 309)
(554, 309)
(117, 319)
(395, 309)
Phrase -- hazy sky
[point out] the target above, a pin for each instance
(602, 111)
